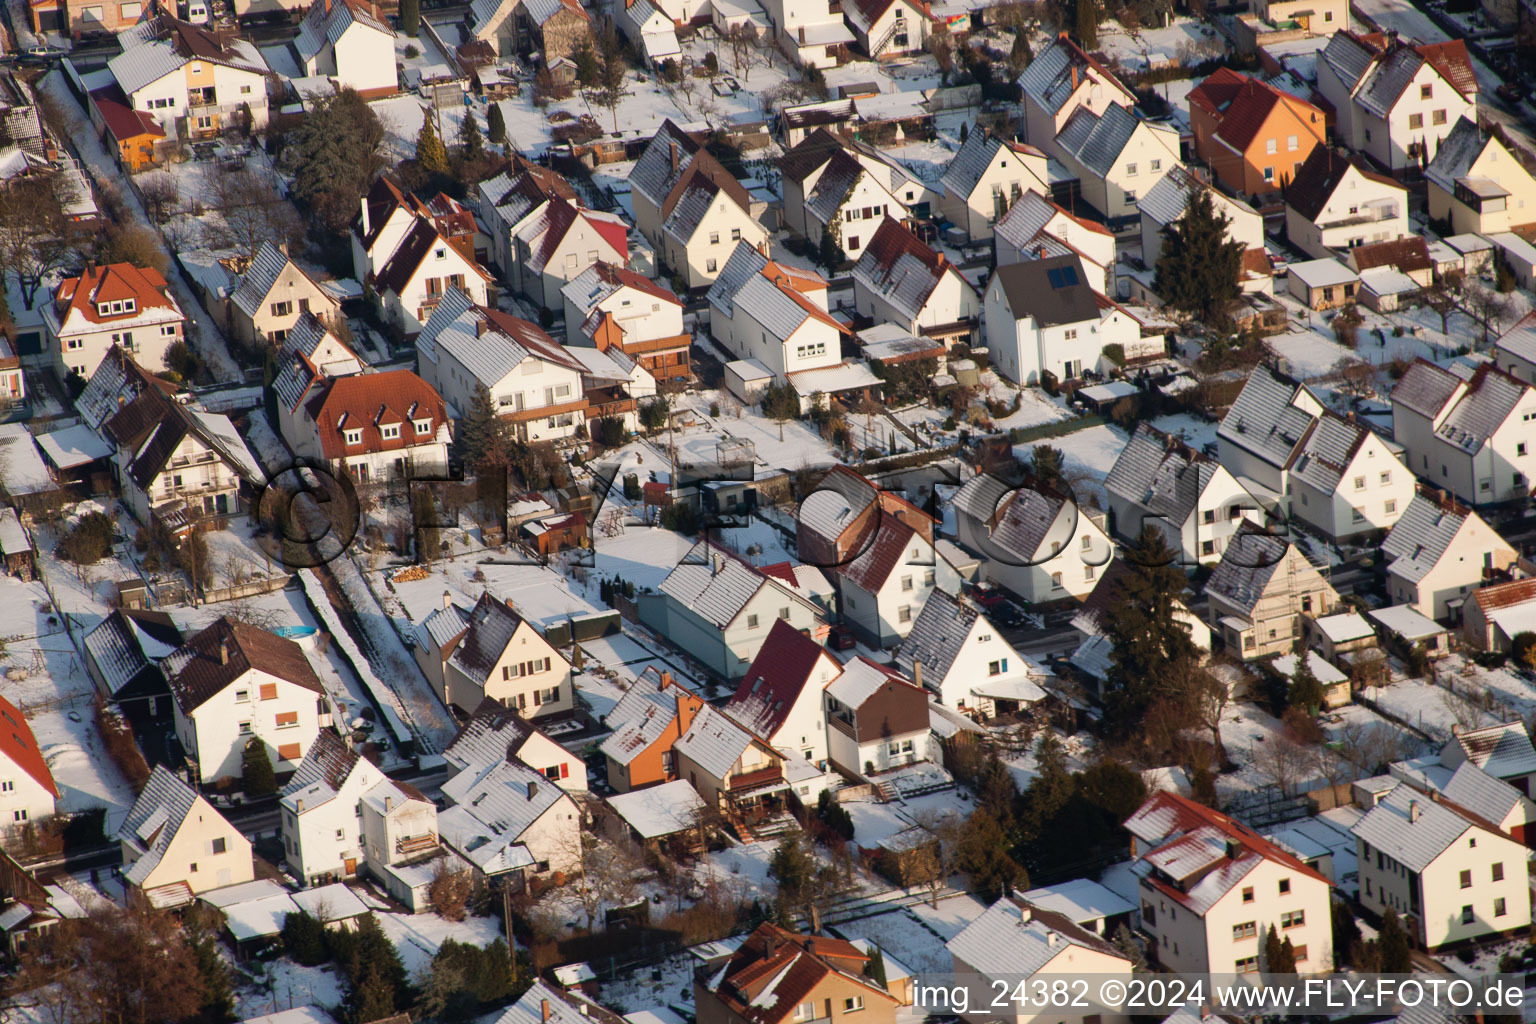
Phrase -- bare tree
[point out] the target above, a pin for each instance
(35, 236)
(160, 196)
(935, 861)
(250, 212)
(1283, 762)
(742, 40)
(1487, 307)
(943, 49)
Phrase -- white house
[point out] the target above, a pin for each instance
(176, 844)
(1337, 203)
(650, 32)
(689, 207)
(1042, 316)
(902, 280)
(508, 200)
(400, 840)
(349, 42)
(780, 696)
(811, 32)
(1117, 156)
(1466, 430)
(27, 789)
(194, 82)
(1468, 787)
(882, 590)
(611, 307)
(534, 383)
(1449, 877)
(117, 304)
(1396, 101)
(1282, 444)
(1438, 552)
(555, 245)
(889, 28)
(1477, 185)
(234, 685)
(1515, 351)
(876, 720)
(1212, 889)
(1035, 543)
(1059, 82)
(507, 819)
(273, 294)
(1259, 593)
(1163, 205)
(496, 731)
(498, 655)
(1036, 228)
(377, 426)
(760, 309)
(1013, 942)
(957, 653)
(1503, 751)
(322, 830)
(801, 169)
(1190, 497)
(848, 202)
(989, 175)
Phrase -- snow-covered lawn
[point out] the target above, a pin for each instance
(666, 984)
(283, 984)
(1185, 40)
(1431, 709)
(903, 936)
(642, 555)
(418, 936)
(1196, 432)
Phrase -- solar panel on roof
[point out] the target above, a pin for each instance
(1062, 277)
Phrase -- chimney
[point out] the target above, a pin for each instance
(511, 606)
(815, 919)
(719, 564)
(1413, 810)
(298, 805)
(223, 652)
(389, 803)
(533, 790)
(1025, 915)
(1074, 77)
(544, 1009)
(802, 35)
(1234, 849)
(447, 599)
(363, 202)
(673, 144)
(917, 671)
(1050, 939)
(482, 325)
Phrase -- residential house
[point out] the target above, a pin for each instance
(544, 1003)
(610, 307)
(718, 608)
(1036, 228)
(689, 207)
(1451, 875)
(27, 790)
(847, 203)
(776, 315)
(400, 841)
(553, 28)
(1060, 81)
(987, 177)
(956, 652)
(194, 81)
(732, 769)
(801, 170)
(176, 844)
(1477, 184)
(176, 463)
(375, 426)
(1191, 498)
(118, 380)
(650, 32)
(1503, 751)
(1037, 310)
(123, 655)
(351, 43)
(876, 720)
(534, 383)
(1515, 351)
(1394, 101)
(1336, 202)
(413, 253)
(1493, 616)
(235, 684)
(806, 977)
(506, 202)
(558, 243)
(780, 696)
(1283, 444)
(508, 821)
(1316, 19)
(499, 655)
(883, 588)
(134, 137)
(1466, 430)
(496, 731)
(613, 383)
(1163, 206)
(1037, 543)
(1117, 157)
(1252, 135)
(311, 356)
(1259, 592)
(1212, 889)
(1407, 256)
(645, 724)
(274, 292)
(319, 807)
(116, 304)
(1334, 683)
(890, 28)
(843, 515)
(1438, 552)
(811, 32)
(1469, 788)
(902, 280)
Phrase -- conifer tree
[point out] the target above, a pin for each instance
(1087, 23)
(1392, 942)
(1197, 271)
(496, 125)
(470, 139)
(1273, 953)
(431, 154)
(410, 17)
(1146, 640)
(875, 969)
(1306, 690)
(257, 776)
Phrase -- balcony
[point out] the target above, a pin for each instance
(677, 342)
(1365, 215)
(543, 411)
(410, 846)
(769, 776)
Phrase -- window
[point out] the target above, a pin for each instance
(1520, 448)
(1466, 915)
(1269, 174)
(1498, 872)
(1438, 117)
(997, 668)
(1306, 606)
(1415, 121)
(1391, 507)
(1285, 886)
(1499, 907)
(784, 613)
(1087, 572)
(7, 786)
(245, 728)
(290, 752)
(1247, 894)
(1248, 965)
(1426, 91)
(355, 436)
(1130, 170)
(1466, 879)
(709, 266)
(423, 426)
(1207, 547)
(1359, 483)
(751, 621)
(268, 691)
(1157, 165)
(1247, 930)
(906, 583)
(1358, 515)
(714, 238)
(930, 578)
(19, 815)
(242, 696)
(735, 234)
(1271, 146)
(853, 1004)
(805, 1011)
(390, 431)
(1294, 919)
(287, 719)
(904, 613)
(282, 308)
(1292, 143)
(219, 846)
(853, 241)
(1301, 951)
(1056, 580)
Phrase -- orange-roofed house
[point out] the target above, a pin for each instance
(118, 304)
(135, 134)
(1254, 137)
(901, 279)
(610, 306)
(27, 789)
(652, 715)
(774, 314)
(378, 426)
(780, 977)
(1493, 616)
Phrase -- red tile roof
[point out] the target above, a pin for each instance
(112, 283)
(775, 679)
(122, 120)
(561, 215)
(1247, 109)
(1455, 66)
(1213, 94)
(610, 273)
(794, 965)
(18, 744)
(370, 400)
(1186, 816)
(1405, 254)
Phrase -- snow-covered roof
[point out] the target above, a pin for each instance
(22, 469)
(1407, 622)
(1503, 751)
(659, 811)
(1321, 668)
(1323, 273)
(713, 584)
(1014, 938)
(713, 742)
(1344, 627)
(73, 446)
(1482, 794)
(1411, 828)
(1081, 900)
(1422, 535)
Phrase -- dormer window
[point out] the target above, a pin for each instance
(423, 427)
(128, 306)
(442, 253)
(354, 436)
(391, 431)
